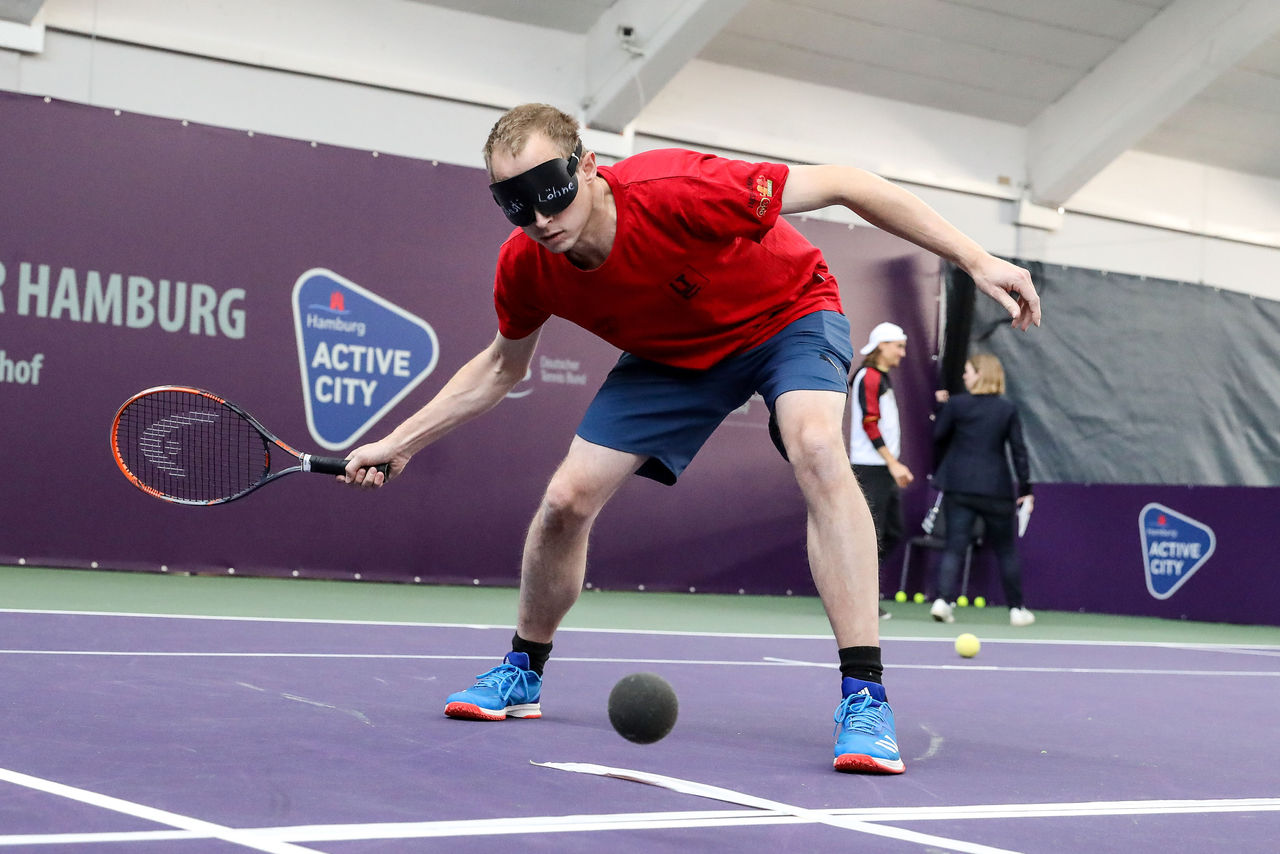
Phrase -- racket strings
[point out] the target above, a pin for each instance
(190, 446)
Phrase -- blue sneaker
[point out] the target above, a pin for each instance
(865, 739)
(509, 690)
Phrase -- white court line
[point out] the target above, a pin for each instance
(1227, 647)
(768, 661)
(1270, 653)
(689, 787)
(246, 838)
(999, 668)
(1068, 809)
(671, 820)
(25, 839)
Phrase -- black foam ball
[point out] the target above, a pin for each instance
(643, 707)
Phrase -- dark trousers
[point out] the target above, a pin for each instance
(885, 499)
(961, 509)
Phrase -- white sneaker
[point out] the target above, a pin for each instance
(1021, 617)
(941, 611)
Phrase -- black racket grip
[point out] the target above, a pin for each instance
(336, 465)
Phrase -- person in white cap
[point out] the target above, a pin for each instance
(875, 435)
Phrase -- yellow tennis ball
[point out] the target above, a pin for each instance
(979, 602)
(900, 596)
(963, 601)
(967, 645)
(918, 598)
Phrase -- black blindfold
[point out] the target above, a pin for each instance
(547, 188)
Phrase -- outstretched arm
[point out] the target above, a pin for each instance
(897, 211)
(477, 387)
(1018, 452)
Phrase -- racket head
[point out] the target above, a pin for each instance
(190, 446)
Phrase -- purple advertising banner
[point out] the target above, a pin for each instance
(1179, 552)
(331, 292)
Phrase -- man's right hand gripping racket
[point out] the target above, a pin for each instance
(190, 446)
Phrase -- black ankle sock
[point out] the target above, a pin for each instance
(862, 662)
(538, 652)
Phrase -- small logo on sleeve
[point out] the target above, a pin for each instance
(764, 189)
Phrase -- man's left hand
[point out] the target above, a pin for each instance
(1011, 286)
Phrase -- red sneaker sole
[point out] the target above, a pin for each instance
(472, 712)
(857, 763)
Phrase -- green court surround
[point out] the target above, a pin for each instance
(44, 589)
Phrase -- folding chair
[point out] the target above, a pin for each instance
(936, 540)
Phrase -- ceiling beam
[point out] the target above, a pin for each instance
(635, 48)
(21, 26)
(20, 11)
(1159, 69)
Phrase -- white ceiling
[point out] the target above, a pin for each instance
(1086, 75)
(1087, 80)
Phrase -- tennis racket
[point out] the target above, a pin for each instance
(190, 446)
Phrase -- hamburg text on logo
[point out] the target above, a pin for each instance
(1174, 546)
(359, 355)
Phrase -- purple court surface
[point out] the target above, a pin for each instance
(177, 734)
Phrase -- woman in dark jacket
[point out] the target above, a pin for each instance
(970, 436)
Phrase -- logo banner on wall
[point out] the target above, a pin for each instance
(1174, 546)
(359, 355)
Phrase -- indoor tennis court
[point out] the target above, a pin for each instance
(213, 725)
(241, 243)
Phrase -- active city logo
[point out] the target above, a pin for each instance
(1174, 546)
(359, 355)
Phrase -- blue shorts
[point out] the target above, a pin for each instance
(666, 413)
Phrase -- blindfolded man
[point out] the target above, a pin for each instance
(683, 261)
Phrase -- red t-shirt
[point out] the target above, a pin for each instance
(701, 267)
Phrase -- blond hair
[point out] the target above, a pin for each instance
(511, 132)
(990, 374)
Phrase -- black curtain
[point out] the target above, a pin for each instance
(1133, 379)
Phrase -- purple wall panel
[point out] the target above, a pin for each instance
(90, 194)
(93, 193)
(1083, 551)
